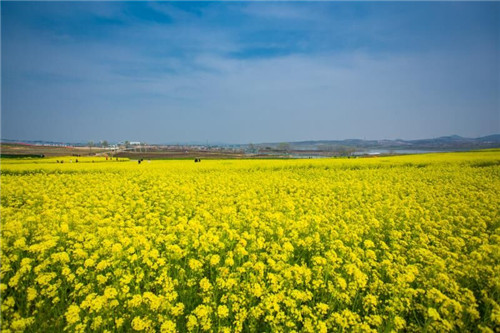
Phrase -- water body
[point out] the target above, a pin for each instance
(373, 152)
(398, 151)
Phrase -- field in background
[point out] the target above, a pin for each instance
(23, 150)
(407, 243)
(12, 150)
(156, 152)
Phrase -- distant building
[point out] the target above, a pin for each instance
(135, 143)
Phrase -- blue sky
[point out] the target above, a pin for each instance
(241, 72)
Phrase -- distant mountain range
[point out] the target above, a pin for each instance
(444, 143)
(453, 142)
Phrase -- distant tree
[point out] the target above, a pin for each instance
(341, 150)
(127, 144)
(345, 150)
(284, 146)
(104, 144)
(326, 147)
(90, 144)
(251, 148)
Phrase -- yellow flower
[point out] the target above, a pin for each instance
(257, 290)
(117, 248)
(177, 310)
(288, 247)
(214, 260)
(119, 322)
(168, 327)
(322, 308)
(222, 311)
(342, 283)
(110, 293)
(192, 323)
(399, 323)
(135, 301)
(22, 323)
(205, 285)
(72, 314)
(433, 314)
(294, 245)
(31, 294)
(153, 300)
(97, 322)
(370, 302)
(138, 324)
(195, 265)
(89, 263)
(64, 228)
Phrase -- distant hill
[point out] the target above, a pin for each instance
(491, 138)
(444, 143)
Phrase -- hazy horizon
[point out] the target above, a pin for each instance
(246, 72)
(96, 142)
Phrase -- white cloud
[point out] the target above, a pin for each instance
(179, 81)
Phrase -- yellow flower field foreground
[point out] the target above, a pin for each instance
(407, 243)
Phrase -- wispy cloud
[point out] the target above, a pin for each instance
(229, 72)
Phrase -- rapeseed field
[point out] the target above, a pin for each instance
(408, 243)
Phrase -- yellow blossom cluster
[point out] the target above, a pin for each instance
(408, 243)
